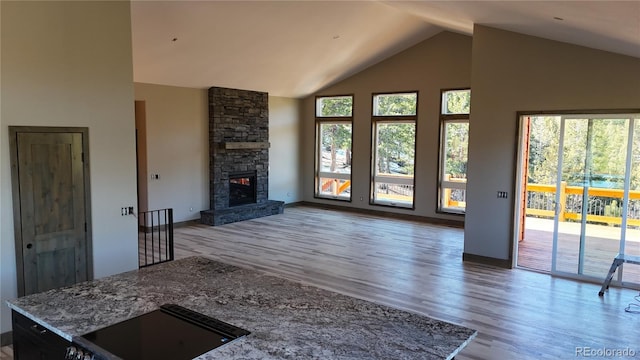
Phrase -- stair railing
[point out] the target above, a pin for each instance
(155, 237)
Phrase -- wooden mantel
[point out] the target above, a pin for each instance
(238, 145)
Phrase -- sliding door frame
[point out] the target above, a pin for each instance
(631, 115)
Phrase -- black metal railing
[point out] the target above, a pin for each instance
(155, 237)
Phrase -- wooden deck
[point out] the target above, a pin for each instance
(602, 243)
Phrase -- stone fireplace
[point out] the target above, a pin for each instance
(238, 157)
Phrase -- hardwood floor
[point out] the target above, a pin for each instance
(6, 353)
(416, 266)
(519, 314)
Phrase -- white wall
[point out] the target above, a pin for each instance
(69, 64)
(440, 62)
(513, 72)
(177, 148)
(285, 182)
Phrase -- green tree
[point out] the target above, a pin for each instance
(457, 149)
(607, 150)
(456, 134)
(336, 106)
(395, 139)
(395, 104)
(396, 144)
(335, 135)
(457, 102)
(543, 149)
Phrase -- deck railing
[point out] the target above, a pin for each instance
(334, 187)
(454, 192)
(604, 206)
(155, 237)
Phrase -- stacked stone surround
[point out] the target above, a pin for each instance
(238, 116)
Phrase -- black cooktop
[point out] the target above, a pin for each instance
(171, 332)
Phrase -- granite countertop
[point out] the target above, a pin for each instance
(286, 319)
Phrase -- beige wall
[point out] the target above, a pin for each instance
(177, 135)
(69, 64)
(443, 61)
(285, 182)
(513, 72)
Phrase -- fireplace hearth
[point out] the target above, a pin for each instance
(238, 157)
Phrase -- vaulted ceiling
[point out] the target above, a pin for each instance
(294, 48)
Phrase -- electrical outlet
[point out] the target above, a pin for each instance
(191, 209)
(502, 194)
(123, 211)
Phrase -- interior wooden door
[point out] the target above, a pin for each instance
(52, 217)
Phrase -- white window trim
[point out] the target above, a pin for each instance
(460, 185)
(332, 175)
(394, 179)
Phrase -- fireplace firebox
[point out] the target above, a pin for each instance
(242, 188)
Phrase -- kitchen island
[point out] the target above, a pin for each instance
(286, 319)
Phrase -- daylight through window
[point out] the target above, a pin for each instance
(394, 145)
(334, 124)
(454, 145)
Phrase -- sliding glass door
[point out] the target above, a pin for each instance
(590, 190)
(582, 178)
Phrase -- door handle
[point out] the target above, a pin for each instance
(38, 329)
(29, 246)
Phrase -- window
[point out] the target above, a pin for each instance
(334, 123)
(394, 149)
(454, 144)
